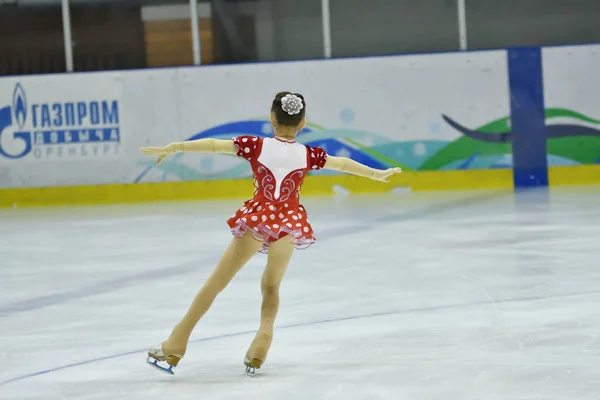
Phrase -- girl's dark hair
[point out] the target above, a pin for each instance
(282, 117)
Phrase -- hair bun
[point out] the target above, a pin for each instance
(291, 104)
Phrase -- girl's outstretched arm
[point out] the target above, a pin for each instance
(208, 145)
(350, 166)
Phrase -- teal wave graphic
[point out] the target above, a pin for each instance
(411, 153)
(381, 152)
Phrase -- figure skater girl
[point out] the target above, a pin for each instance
(273, 221)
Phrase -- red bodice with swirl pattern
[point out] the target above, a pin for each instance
(279, 169)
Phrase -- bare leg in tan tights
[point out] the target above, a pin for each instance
(279, 256)
(239, 252)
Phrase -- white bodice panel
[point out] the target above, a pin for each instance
(282, 158)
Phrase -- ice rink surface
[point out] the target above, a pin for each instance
(445, 296)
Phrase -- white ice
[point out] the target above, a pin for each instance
(445, 296)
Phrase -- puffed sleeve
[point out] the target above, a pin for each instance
(247, 146)
(318, 157)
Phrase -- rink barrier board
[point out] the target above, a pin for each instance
(315, 185)
(243, 188)
(574, 175)
(528, 120)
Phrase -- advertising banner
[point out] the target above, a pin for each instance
(418, 112)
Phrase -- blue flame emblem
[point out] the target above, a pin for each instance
(19, 105)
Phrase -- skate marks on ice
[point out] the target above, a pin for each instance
(101, 287)
(493, 303)
(192, 266)
(415, 355)
(493, 319)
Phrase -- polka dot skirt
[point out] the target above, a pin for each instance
(269, 222)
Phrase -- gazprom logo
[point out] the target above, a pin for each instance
(56, 129)
(19, 105)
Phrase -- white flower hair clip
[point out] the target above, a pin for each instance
(292, 104)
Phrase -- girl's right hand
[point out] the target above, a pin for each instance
(160, 152)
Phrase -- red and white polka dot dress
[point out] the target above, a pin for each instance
(279, 168)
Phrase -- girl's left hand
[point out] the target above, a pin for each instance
(384, 174)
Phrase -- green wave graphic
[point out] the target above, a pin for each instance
(464, 147)
(500, 125)
(584, 150)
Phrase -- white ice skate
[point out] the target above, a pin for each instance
(252, 365)
(156, 355)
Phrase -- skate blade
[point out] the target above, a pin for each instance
(252, 366)
(154, 363)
